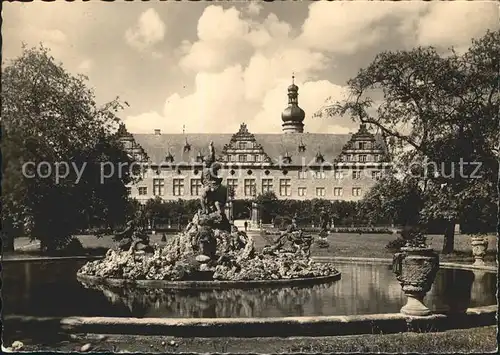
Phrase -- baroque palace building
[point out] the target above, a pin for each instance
(292, 164)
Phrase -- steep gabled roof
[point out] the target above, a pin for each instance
(276, 146)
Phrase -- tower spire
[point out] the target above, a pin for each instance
(293, 116)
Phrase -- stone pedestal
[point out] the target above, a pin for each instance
(229, 210)
(255, 214)
(415, 269)
(479, 247)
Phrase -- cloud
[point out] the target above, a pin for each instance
(445, 26)
(346, 27)
(148, 31)
(253, 8)
(242, 63)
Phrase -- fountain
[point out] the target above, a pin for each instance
(210, 249)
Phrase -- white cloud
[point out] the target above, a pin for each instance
(243, 65)
(349, 26)
(253, 8)
(444, 25)
(148, 31)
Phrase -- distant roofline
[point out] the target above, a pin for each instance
(230, 134)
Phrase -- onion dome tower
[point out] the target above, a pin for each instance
(293, 116)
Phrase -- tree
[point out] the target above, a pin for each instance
(397, 201)
(444, 110)
(267, 203)
(52, 124)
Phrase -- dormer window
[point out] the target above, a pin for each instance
(302, 147)
(169, 158)
(187, 147)
(319, 158)
(200, 158)
(287, 159)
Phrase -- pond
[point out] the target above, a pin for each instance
(50, 289)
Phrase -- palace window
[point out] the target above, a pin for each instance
(356, 174)
(250, 187)
(178, 187)
(267, 185)
(320, 191)
(158, 187)
(129, 190)
(302, 174)
(285, 187)
(362, 145)
(339, 175)
(302, 191)
(257, 157)
(337, 191)
(356, 191)
(242, 158)
(376, 157)
(243, 145)
(362, 158)
(143, 190)
(232, 184)
(376, 175)
(195, 187)
(320, 174)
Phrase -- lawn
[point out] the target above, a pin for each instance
(477, 340)
(341, 244)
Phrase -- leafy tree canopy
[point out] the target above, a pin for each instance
(445, 110)
(50, 118)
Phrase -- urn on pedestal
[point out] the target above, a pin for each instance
(416, 267)
(479, 247)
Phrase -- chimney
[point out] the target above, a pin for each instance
(157, 132)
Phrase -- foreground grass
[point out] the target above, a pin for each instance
(341, 244)
(477, 340)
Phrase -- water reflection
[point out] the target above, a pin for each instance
(51, 289)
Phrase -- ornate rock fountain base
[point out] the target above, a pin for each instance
(416, 269)
(210, 248)
(479, 247)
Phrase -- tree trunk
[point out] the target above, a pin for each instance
(8, 242)
(449, 238)
(498, 196)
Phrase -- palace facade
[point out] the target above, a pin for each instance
(292, 164)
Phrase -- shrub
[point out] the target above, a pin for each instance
(322, 244)
(396, 244)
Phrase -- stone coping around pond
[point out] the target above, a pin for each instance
(16, 258)
(261, 327)
(209, 285)
(447, 265)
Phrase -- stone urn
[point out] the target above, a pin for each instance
(416, 268)
(479, 247)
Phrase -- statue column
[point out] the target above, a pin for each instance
(255, 214)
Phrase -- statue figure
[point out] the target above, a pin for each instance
(214, 195)
(294, 237)
(132, 235)
(323, 221)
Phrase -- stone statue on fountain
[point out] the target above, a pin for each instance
(134, 236)
(212, 215)
(292, 240)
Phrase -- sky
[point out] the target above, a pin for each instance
(206, 67)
